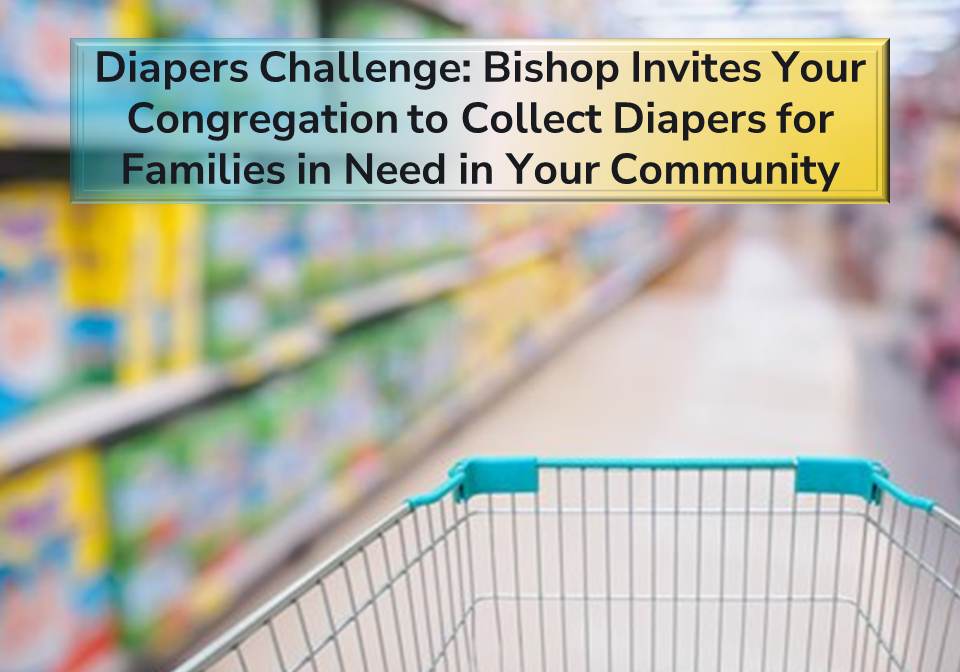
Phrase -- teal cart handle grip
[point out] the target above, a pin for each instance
(814, 475)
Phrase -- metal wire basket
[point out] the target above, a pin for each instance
(543, 565)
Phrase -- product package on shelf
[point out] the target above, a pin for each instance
(352, 439)
(610, 239)
(235, 316)
(35, 46)
(130, 289)
(415, 358)
(449, 229)
(233, 18)
(153, 571)
(34, 346)
(184, 499)
(331, 247)
(56, 609)
(287, 449)
(179, 307)
(383, 19)
(438, 330)
(402, 237)
(216, 447)
(277, 265)
(504, 311)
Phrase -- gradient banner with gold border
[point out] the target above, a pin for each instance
(495, 120)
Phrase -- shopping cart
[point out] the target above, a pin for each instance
(561, 565)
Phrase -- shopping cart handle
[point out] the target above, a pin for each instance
(814, 475)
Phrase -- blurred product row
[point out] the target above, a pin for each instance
(35, 34)
(123, 550)
(123, 294)
(907, 255)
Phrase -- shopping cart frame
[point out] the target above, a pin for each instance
(904, 611)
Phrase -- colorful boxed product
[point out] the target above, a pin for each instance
(415, 359)
(153, 572)
(234, 322)
(235, 315)
(329, 424)
(369, 233)
(330, 248)
(354, 434)
(56, 610)
(215, 448)
(112, 257)
(374, 18)
(599, 248)
(179, 305)
(277, 265)
(285, 463)
(392, 350)
(154, 594)
(148, 493)
(231, 240)
(442, 329)
(234, 18)
(35, 46)
(34, 349)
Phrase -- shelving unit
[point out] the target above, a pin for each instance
(103, 413)
(42, 131)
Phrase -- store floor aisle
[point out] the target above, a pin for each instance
(736, 353)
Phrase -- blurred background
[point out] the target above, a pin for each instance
(197, 402)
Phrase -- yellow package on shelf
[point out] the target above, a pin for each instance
(501, 311)
(131, 18)
(112, 257)
(56, 611)
(180, 294)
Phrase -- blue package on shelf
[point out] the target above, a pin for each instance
(35, 49)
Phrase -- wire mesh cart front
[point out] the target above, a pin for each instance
(564, 565)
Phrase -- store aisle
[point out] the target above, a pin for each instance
(735, 353)
(738, 351)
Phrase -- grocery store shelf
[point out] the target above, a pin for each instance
(99, 414)
(446, 11)
(226, 583)
(604, 297)
(245, 569)
(355, 306)
(21, 130)
(284, 350)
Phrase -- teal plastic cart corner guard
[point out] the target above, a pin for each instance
(486, 475)
(839, 476)
(814, 475)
